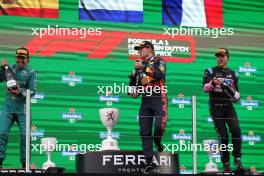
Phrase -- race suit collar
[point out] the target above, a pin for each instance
(150, 58)
(18, 68)
(223, 69)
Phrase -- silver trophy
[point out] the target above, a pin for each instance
(48, 145)
(212, 144)
(109, 117)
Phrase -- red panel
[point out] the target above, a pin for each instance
(214, 13)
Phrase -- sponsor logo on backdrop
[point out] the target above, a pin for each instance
(251, 138)
(37, 97)
(71, 79)
(95, 45)
(182, 136)
(72, 116)
(209, 119)
(247, 69)
(249, 103)
(253, 169)
(36, 133)
(104, 134)
(109, 99)
(33, 166)
(183, 170)
(181, 101)
(71, 153)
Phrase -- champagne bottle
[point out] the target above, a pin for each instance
(231, 92)
(10, 81)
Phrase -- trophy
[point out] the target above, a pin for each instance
(211, 166)
(48, 145)
(10, 81)
(109, 117)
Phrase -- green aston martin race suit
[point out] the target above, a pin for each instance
(14, 107)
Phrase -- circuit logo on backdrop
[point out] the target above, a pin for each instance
(179, 49)
(95, 45)
(162, 47)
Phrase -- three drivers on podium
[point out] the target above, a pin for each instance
(149, 73)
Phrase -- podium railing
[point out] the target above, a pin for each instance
(194, 134)
(28, 128)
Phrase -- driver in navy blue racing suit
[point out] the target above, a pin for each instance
(149, 74)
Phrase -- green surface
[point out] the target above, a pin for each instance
(246, 17)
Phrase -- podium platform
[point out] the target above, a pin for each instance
(125, 162)
(244, 171)
(21, 171)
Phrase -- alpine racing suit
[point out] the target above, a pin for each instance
(222, 110)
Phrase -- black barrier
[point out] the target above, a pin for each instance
(125, 162)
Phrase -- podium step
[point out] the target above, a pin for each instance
(244, 171)
(125, 162)
(20, 171)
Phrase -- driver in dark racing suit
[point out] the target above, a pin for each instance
(13, 109)
(222, 85)
(149, 75)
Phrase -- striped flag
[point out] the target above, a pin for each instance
(193, 13)
(112, 10)
(30, 8)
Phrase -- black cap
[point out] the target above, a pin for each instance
(222, 52)
(144, 44)
(22, 52)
